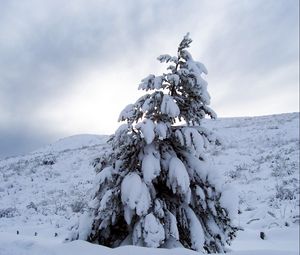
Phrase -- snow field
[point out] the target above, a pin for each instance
(45, 192)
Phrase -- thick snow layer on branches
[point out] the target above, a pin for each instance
(173, 79)
(161, 130)
(150, 167)
(103, 176)
(200, 168)
(151, 82)
(178, 178)
(127, 113)
(197, 234)
(131, 190)
(147, 129)
(192, 138)
(169, 107)
(171, 228)
(150, 164)
(153, 231)
(135, 195)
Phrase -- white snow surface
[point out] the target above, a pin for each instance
(44, 193)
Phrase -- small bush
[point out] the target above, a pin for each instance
(284, 193)
(8, 212)
(77, 206)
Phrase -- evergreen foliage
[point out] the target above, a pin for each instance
(155, 188)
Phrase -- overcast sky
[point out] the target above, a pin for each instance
(70, 67)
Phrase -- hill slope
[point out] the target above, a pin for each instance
(46, 191)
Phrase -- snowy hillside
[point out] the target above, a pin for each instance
(43, 194)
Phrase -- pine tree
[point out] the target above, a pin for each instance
(155, 187)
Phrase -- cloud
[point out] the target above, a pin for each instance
(70, 67)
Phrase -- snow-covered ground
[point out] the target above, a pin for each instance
(43, 193)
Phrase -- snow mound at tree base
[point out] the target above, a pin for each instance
(12, 244)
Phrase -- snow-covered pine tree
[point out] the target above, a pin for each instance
(155, 186)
